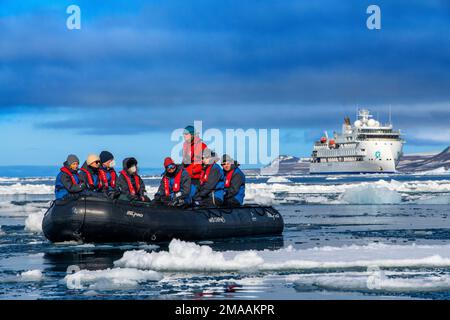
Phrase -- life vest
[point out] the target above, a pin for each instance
(192, 151)
(228, 177)
(70, 174)
(60, 190)
(240, 195)
(218, 191)
(91, 180)
(205, 174)
(133, 192)
(176, 183)
(104, 179)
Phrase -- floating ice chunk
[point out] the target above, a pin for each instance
(12, 209)
(278, 179)
(369, 194)
(443, 199)
(110, 279)
(188, 256)
(264, 199)
(274, 193)
(31, 275)
(318, 200)
(437, 171)
(2, 233)
(205, 242)
(19, 188)
(26, 179)
(148, 247)
(34, 222)
(259, 195)
(368, 281)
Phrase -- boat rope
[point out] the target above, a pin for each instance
(258, 212)
(226, 210)
(51, 205)
(78, 233)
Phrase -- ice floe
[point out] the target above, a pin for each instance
(278, 179)
(437, 171)
(19, 188)
(440, 199)
(188, 256)
(34, 222)
(110, 279)
(369, 194)
(376, 192)
(8, 208)
(31, 275)
(374, 281)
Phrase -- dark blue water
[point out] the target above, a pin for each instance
(343, 235)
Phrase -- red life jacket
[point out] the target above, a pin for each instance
(90, 180)
(130, 185)
(228, 178)
(70, 174)
(104, 179)
(193, 151)
(176, 184)
(205, 174)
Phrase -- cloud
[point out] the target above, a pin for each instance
(412, 119)
(209, 53)
(141, 67)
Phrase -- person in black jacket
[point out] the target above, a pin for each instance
(234, 186)
(175, 186)
(107, 174)
(130, 184)
(89, 173)
(68, 182)
(210, 191)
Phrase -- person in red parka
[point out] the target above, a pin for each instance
(192, 156)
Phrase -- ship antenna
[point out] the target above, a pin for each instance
(390, 115)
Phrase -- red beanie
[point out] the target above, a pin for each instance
(168, 161)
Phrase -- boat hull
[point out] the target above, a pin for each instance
(96, 219)
(350, 168)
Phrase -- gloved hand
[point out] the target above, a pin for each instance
(177, 202)
(111, 194)
(180, 202)
(171, 204)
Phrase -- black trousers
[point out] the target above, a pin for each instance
(231, 202)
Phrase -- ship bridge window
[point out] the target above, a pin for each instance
(374, 136)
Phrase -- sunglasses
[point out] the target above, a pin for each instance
(171, 166)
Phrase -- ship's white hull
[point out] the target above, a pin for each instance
(380, 157)
(350, 168)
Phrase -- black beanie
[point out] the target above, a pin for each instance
(106, 156)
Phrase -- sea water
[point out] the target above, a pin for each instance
(345, 237)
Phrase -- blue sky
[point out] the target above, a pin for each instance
(139, 69)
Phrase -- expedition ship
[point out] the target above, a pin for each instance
(367, 146)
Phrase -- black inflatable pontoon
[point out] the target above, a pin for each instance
(98, 219)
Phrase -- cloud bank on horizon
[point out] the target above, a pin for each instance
(152, 66)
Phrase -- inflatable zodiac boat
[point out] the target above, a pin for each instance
(99, 219)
